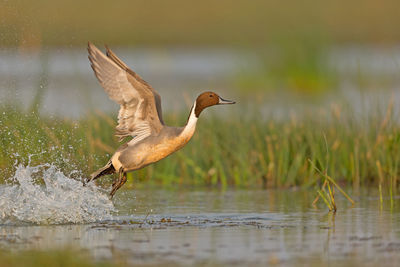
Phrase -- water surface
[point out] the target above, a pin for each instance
(184, 226)
(64, 80)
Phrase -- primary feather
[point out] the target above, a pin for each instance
(140, 112)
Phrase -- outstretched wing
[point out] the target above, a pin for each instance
(140, 112)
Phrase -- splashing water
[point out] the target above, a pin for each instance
(44, 195)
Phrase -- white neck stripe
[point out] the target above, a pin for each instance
(191, 123)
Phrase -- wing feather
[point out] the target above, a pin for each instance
(120, 63)
(140, 105)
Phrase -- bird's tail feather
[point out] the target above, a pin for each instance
(107, 169)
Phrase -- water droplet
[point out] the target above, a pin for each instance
(61, 200)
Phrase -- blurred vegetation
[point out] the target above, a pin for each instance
(250, 151)
(299, 65)
(27, 23)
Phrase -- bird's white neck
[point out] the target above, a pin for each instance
(190, 127)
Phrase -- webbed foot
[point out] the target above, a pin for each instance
(118, 183)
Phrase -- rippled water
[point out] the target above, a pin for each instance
(183, 226)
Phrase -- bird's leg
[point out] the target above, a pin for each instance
(118, 183)
(116, 180)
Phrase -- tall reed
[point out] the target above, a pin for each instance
(240, 151)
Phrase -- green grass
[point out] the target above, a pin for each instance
(244, 151)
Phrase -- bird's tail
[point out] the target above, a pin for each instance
(107, 169)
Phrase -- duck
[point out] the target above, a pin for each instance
(140, 118)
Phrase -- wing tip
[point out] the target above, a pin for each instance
(90, 47)
(107, 48)
(92, 50)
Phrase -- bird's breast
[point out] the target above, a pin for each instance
(163, 149)
(151, 150)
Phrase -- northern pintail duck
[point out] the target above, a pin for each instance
(140, 117)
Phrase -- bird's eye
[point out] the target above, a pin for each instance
(211, 95)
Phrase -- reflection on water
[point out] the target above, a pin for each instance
(228, 227)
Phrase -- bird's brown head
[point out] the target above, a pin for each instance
(208, 99)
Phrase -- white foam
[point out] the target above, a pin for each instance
(44, 195)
